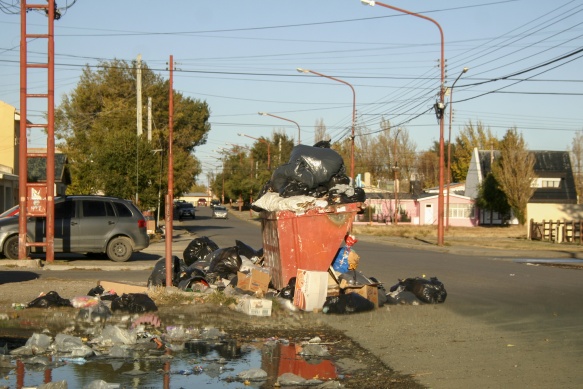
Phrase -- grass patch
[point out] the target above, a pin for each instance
(420, 232)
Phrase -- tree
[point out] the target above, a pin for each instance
(469, 138)
(577, 162)
(245, 170)
(514, 172)
(96, 127)
(492, 198)
(320, 131)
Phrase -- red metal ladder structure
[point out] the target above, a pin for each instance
(37, 199)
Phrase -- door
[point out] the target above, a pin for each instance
(429, 219)
(66, 226)
(96, 223)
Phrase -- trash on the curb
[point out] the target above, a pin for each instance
(429, 291)
(198, 249)
(134, 303)
(121, 288)
(347, 303)
(225, 262)
(311, 289)
(257, 280)
(158, 275)
(50, 299)
(254, 306)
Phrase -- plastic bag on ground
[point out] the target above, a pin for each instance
(225, 261)
(158, 275)
(347, 303)
(114, 335)
(430, 291)
(198, 249)
(134, 303)
(51, 299)
(249, 252)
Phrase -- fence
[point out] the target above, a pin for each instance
(558, 231)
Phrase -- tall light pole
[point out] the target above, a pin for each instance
(449, 145)
(439, 111)
(288, 120)
(353, 115)
(396, 177)
(268, 148)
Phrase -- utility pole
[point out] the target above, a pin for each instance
(139, 94)
(149, 119)
(170, 194)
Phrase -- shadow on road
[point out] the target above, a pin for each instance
(7, 277)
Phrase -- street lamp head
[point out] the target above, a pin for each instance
(240, 134)
(465, 70)
(303, 70)
(262, 113)
(368, 2)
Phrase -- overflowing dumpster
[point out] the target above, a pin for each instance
(307, 241)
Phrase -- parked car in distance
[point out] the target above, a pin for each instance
(185, 210)
(220, 212)
(215, 202)
(201, 202)
(84, 224)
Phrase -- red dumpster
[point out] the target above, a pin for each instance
(307, 241)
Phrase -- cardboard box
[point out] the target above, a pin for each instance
(333, 287)
(255, 307)
(120, 288)
(256, 281)
(353, 259)
(369, 292)
(311, 289)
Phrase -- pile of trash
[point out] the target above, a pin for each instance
(315, 176)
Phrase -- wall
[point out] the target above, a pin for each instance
(9, 128)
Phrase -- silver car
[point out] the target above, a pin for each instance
(220, 212)
(84, 224)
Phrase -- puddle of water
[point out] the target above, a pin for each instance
(199, 364)
(551, 260)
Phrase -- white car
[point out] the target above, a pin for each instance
(220, 212)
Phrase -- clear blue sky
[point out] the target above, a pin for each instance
(241, 56)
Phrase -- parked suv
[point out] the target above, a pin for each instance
(84, 224)
(215, 202)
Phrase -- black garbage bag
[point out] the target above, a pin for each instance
(347, 303)
(51, 299)
(342, 195)
(430, 291)
(321, 162)
(158, 275)
(323, 143)
(292, 179)
(225, 261)
(198, 248)
(294, 188)
(103, 295)
(134, 303)
(339, 178)
(249, 252)
(288, 291)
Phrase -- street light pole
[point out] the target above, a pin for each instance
(268, 148)
(449, 146)
(288, 120)
(440, 107)
(353, 115)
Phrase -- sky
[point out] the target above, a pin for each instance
(524, 59)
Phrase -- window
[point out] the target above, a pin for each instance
(461, 210)
(64, 209)
(122, 210)
(97, 208)
(551, 183)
